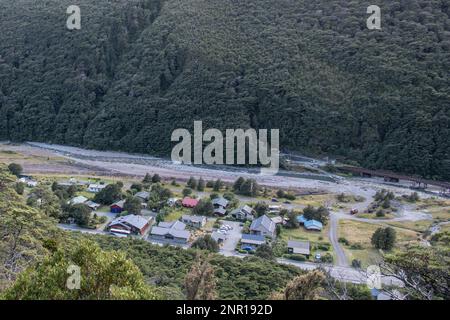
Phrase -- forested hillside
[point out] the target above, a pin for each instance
(139, 69)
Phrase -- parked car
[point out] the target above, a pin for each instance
(318, 256)
(353, 211)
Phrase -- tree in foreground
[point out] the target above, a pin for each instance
(308, 286)
(200, 282)
(265, 251)
(424, 271)
(206, 243)
(103, 275)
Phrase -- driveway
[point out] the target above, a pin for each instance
(340, 254)
(232, 238)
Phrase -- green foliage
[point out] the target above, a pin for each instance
(110, 194)
(204, 208)
(168, 67)
(15, 168)
(265, 251)
(292, 221)
(384, 238)
(249, 278)
(424, 271)
(104, 275)
(187, 192)
(246, 187)
(320, 214)
(192, 183)
(206, 243)
(133, 205)
(81, 214)
(261, 208)
(156, 178)
(201, 185)
(19, 187)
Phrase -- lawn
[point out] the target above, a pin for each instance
(315, 200)
(360, 233)
(176, 214)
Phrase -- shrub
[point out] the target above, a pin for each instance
(356, 263)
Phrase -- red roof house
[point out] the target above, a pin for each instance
(189, 202)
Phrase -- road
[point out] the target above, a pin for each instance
(341, 259)
(345, 274)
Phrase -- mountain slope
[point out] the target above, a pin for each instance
(137, 70)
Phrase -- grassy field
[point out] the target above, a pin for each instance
(360, 233)
(315, 200)
(176, 214)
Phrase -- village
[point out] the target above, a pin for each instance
(239, 228)
(308, 222)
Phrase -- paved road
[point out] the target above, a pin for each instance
(345, 274)
(71, 227)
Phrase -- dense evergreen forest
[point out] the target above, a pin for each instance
(138, 69)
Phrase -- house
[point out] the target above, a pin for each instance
(117, 207)
(189, 202)
(95, 188)
(172, 232)
(243, 213)
(143, 196)
(273, 209)
(220, 211)
(279, 220)
(252, 241)
(130, 224)
(78, 200)
(299, 247)
(301, 219)
(193, 221)
(28, 180)
(91, 204)
(263, 226)
(219, 237)
(313, 225)
(220, 202)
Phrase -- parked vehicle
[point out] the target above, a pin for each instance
(274, 200)
(353, 211)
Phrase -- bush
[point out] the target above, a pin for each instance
(380, 214)
(356, 263)
(323, 246)
(296, 257)
(356, 246)
(327, 258)
(343, 241)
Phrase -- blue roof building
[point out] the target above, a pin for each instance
(313, 225)
(301, 219)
